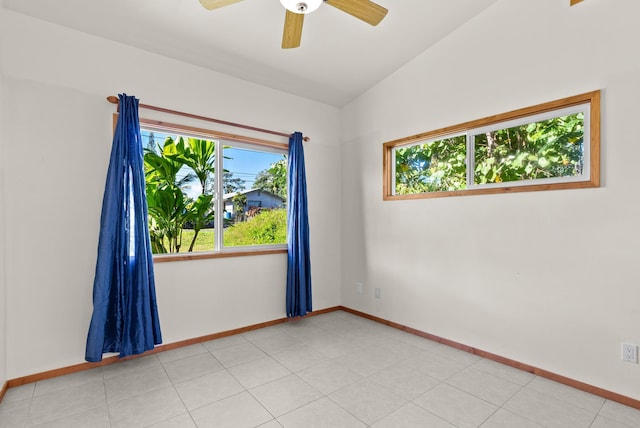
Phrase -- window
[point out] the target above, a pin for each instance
(193, 174)
(550, 146)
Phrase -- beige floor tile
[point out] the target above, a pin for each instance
(367, 400)
(238, 411)
(130, 384)
(505, 419)
(285, 394)
(67, 402)
(94, 418)
(329, 377)
(565, 393)
(180, 353)
(404, 381)
(207, 389)
(412, 416)
(513, 375)
(62, 382)
(181, 421)
(15, 413)
(322, 413)
(484, 385)
(300, 357)
(333, 370)
(238, 354)
(224, 342)
(258, 372)
(146, 409)
(621, 413)
(548, 411)
(192, 367)
(455, 406)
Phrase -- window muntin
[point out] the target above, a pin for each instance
(225, 165)
(550, 146)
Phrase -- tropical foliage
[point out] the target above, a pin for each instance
(435, 166)
(169, 207)
(170, 168)
(232, 184)
(545, 149)
(268, 227)
(274, 179)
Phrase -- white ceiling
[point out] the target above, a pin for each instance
(340, 56)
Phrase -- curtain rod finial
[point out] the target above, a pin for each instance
(306, 139)
(112, 99)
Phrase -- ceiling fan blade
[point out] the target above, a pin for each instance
(292, 30)
(366, 10)
(215, 4)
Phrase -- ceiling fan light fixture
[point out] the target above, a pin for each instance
(301, 6)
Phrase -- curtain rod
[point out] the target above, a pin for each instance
(114, 100)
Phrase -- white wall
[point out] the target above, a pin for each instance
(549, 279)
(3, 305)
(58, 129)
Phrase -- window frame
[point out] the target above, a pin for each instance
(241, 141)
(589, 179)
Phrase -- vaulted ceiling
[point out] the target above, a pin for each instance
(340, 56)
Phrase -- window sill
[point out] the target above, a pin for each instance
(496, 190)
(216, 255)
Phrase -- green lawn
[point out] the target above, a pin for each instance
(268, 227)
(204, 242)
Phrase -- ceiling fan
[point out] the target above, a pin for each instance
(365, 10)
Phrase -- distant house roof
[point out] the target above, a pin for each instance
(228, 196)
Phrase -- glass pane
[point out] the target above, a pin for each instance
(435, 166)
(546, 149)
(255, 194)
(178, 174)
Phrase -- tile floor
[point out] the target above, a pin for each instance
(333, 370)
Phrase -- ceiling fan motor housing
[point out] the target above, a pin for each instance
(301, 6)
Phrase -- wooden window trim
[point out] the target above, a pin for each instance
(593, 98)
(212, 134)
(181, 257)
(163, 126)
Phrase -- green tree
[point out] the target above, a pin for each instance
(232, 184)
(163, 165)
(168, 212)
(274, 179)
(199, 214)
(199, 155)
(436, 166)
(544, 149)
(169, 207)
(239, 202)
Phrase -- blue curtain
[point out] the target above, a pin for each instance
(125, 315)
(298, 265)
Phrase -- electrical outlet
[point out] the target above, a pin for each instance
(377, 293)
(630, 353)
(359, 287)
